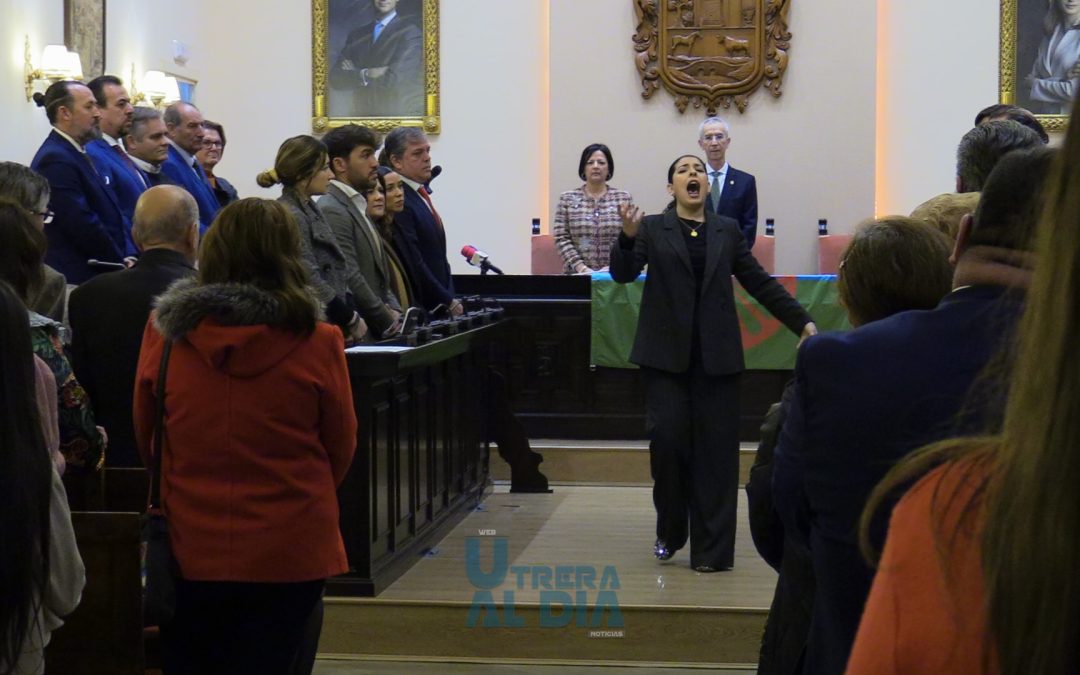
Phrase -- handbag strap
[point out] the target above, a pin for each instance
(157, 445)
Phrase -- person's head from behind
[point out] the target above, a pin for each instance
(1006, 111)
(213, 146)
(25, 475)
(167, 216)
(27, 188)
(409, 153)
(257, 242)
(946, 211)
(596, 166)
(1009, 205)
(148, 139)
(891, 265)
(71, 108)
(301, 165)
(22, 248)
(351, 149)
(982, 147)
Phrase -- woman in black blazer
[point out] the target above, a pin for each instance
(690, 352)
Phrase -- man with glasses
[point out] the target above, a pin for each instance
(732, 193)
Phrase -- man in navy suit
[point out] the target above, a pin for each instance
(732, 193)
(185, 129)
(109, 154)
(382, 63)
(421, 237)
(88, 222)
(865, 399)
(148, 146)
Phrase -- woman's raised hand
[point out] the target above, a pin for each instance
(631, 219)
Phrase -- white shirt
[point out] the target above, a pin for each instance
(145, 166)
(188, 159)
(384, 22)
(71, 140)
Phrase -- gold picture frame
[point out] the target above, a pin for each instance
(343, 93)
(84, 33)
(1023, 33)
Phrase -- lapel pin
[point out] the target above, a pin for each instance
(732, 182)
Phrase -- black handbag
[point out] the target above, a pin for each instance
(160, 570)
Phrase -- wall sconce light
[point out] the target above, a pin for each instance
(158, 89)
(57, 63)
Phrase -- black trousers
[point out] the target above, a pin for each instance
(235, 628)
(693, 426)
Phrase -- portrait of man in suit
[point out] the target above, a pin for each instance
(378, 69)
(1047, 55)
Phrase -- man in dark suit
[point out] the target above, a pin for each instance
(382, 63)
(147, 145)
(421, 236)
(88, 222)
(109, 312)
(865, 399)
(185, 129)
(732, 193)
(351, 149)
(109, 154)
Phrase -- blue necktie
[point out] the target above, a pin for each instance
(378, 29)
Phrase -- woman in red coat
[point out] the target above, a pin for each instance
(259, 432)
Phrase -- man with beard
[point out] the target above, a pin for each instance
(87, 221)
(116, 113)
(351, 149)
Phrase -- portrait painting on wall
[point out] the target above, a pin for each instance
(376, 63)
(1040, 56)
(84, 33)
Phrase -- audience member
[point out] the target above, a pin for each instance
(27, 188)
(945, 211)
(351, 150)
(184, 123)
(212, 150)
(393, 191)
(891, 265)
(732, 193)
(302, 167)
(978, 573)
(87, 221)
(587, 218)
(263, 384)
(865, 399)
(22, 247)
(982, 147)
(148, 146)
(1006, 111)
(109, 312)
(109, 155)
(420, 236)
(41, 572)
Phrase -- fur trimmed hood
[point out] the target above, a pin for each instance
(227, 324)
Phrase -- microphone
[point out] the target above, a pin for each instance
(94, 262)
(478, 258)
(435, 171)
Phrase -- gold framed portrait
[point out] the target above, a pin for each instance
(375, 63)
(84, 33)
(1040, 58)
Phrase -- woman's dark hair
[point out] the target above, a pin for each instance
(298, 159)
(588, 152)
(22, 247)
(218, 128)
(25, 484)
(256, 241)
(386, 224)
(893, 264)
(671, 169)
(23, 185)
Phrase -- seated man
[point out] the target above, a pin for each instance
(109, 312)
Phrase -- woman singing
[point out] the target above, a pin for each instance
(690, 352)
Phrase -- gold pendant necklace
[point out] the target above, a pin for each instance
(693, 230)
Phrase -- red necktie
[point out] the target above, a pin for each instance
(128, 163)
(427, 198)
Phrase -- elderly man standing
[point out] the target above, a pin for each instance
(732, 193)
(108, 313)
(87, 221)
(148, 146)
(125, 179)
(421, 235)
(186, 132)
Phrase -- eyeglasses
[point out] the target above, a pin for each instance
(213, 144)
(46, 216)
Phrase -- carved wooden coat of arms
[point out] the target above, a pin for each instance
(711, 52)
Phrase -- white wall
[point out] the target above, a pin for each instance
(25, 123)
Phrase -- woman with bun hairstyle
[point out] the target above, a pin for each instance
(303, 169)
(689, 347)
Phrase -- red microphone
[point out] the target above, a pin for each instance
(478, 258)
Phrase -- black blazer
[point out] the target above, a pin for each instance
(739, 201)
(108, 315)
(421, 245)
(665, 323)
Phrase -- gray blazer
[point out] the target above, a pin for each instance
(369, 277)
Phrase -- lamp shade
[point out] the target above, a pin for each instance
(172, 89)
(154, 83)
(73, 66)
(54, 61)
